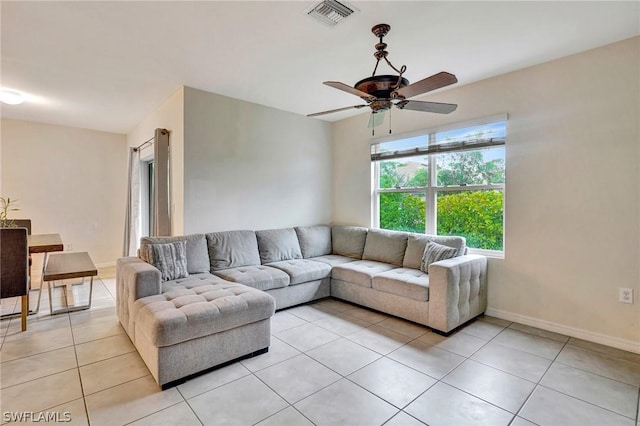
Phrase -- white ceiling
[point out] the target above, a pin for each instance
(106, 65)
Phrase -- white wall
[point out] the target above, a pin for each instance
(68, 181)
(170, 116)
(247, 166)
(572, 193)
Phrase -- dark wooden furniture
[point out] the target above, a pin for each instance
(14, 267)
(23, 223)
(45, 243)
(62, 266)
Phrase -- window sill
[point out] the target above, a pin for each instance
(494, 254)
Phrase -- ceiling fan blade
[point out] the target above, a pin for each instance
(346, 88)
(376, 119)
(336, 110)
(428, 84)
(436, 107)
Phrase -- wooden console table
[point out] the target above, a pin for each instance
(62, 266)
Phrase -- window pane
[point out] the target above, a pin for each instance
(484, 131)
(404, 173)
(475, 215)
(401, 211)
(401, 144)
(479, 167)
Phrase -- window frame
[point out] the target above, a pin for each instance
(431, 190)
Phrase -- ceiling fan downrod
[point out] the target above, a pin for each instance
(380, 31)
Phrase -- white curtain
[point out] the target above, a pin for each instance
(132, 224)
(161, 184)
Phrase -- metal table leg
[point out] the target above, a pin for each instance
(68, 308)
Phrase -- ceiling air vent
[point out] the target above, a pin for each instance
(330, 12)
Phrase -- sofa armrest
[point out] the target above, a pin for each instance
(139, 278)
(135, 279)
(457, 291)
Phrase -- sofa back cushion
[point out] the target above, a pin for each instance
(417, 243)
(275, 245)
(197, 254)
(314, 240)
(348, 240)
(385, 246)
(232, 249)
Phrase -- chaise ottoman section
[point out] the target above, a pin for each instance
(183, 313)
(198, 323)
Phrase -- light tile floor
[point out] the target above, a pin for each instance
(329, 363)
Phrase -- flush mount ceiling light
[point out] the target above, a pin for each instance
(11, 97)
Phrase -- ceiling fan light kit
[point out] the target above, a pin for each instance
(381, 92)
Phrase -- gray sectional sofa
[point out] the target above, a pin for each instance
(235, 280)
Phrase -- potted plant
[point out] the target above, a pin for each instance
(7, 205)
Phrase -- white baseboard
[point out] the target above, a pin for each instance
(106, 265)
(579, 333)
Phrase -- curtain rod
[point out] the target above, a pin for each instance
(148, 141)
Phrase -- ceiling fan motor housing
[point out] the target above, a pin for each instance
(381, 86)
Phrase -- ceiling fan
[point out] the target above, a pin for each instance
(381, 92)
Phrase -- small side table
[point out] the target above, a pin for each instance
(62, 266)
(43, 243)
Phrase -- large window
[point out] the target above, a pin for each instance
(444, 182)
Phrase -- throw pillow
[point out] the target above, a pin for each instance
(169, 258)
(197, 252)
(435, 252)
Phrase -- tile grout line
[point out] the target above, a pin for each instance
(75, 351)
(48, 375)
(467, 358)
(326, 366)
(381, 356)
(156, 412)
(591, 372)
(437, 380)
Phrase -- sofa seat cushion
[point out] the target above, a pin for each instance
(303, 270)
(404, 282)
(199, 306)
(359, 272)
(333, 259)
(261, 277)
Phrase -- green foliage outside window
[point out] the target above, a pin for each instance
(402, 211)
(476, 215)
(469, 168)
